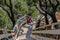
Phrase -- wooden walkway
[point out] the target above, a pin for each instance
(30, 32)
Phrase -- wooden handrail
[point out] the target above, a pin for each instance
(8, 31)
(48, 32)
(6, 35)
(41, 38)
(44, 32)
(46, 25)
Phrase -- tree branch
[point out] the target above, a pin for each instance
(51, 4)
(6, 3)
(9, 10)
(6, 10)
(42, 8)
(57, 3)
(39, 9)
(12, 13)
(46, 4)
(54, 6)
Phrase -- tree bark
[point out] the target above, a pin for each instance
(46, 19)
(12, 13)
(54, 20)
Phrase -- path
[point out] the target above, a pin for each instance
(26, 33)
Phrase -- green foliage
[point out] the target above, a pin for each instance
(4, 20)
(7, 1)
(30, 2)
(49, 7)
(34, 12)
(21, 7)
(58, 9)
(1, 1)
(35, 1)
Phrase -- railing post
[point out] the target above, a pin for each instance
(52, 26)
(57, 37)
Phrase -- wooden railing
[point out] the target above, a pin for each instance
(51, 26)
(20, 22)
(13, 33)
(47, 32)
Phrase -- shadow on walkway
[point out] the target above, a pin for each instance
(28, 35)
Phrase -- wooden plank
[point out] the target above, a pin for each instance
(41, 38)
(5, 35)
(48, 32)
(8, 31)
(46, 25)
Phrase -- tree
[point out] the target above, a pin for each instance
(8, 9)
(44, 14)
(40, 11)
(49, 7)
(14, 9)
(4, 20)
(49, 4)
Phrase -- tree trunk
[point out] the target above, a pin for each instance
(13, 21)
(46, 19)
(12, 13)
(38, 24)
(54, 20)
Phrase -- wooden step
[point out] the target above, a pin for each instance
(41, 38)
